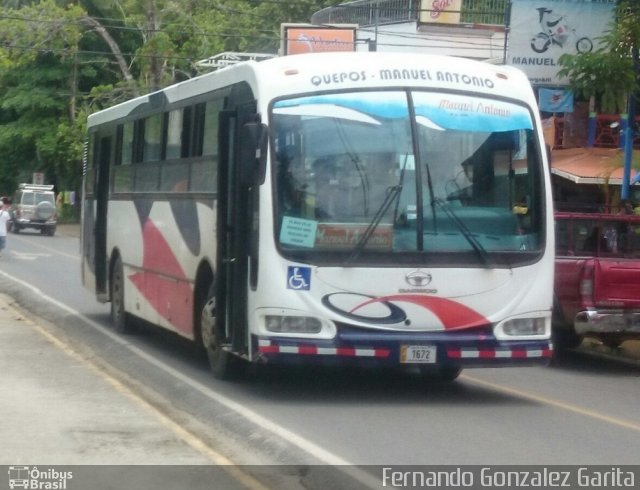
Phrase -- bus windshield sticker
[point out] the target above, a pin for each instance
(460, 112)
(298, 232)
(346, 236)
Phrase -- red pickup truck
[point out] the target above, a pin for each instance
(597, 278)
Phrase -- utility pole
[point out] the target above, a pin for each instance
(377, 20)
(507, 29)
(630, 129)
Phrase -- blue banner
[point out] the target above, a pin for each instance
(555, 100)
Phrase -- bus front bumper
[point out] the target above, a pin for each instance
(399, 348)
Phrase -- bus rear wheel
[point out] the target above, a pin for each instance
(119, 317)
(219, 359)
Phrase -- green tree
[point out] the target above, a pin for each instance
(61, 60)
(39, 76)
(608, 73)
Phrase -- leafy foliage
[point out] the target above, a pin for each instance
(590, 76)
(608, 73)
(61, 60)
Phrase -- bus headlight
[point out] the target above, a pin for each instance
(292, 324)
(525, 326)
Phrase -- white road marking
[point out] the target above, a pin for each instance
(44, 247)
(27, 255)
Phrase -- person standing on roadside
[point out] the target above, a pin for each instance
(4, 219)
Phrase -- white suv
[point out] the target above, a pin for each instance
(34, 206)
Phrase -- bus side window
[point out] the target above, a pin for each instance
(175, 134)
(210, 140)
(152, 145)
(123, 170)
(198, 129)
(126, 148)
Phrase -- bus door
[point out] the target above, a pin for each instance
(94, 222)
(235, 208)
(103, 161)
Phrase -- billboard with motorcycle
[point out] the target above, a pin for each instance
(542, 30)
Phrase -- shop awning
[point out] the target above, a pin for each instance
(590, 165)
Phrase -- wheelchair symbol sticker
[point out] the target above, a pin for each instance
(299, 278)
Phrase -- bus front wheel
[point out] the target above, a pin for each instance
(219, 359)
(446, 373)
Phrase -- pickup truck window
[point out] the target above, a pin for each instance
(597, 235)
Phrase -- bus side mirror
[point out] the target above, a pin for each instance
(253, 153)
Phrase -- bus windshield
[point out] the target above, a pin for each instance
(447, 177)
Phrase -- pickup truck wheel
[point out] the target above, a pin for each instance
(611, 340)
(566, 338)
(562, 333)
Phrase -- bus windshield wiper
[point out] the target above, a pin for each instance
(473, 241)
(392, 193)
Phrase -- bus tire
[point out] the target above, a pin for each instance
(563, 334)
(565, 338)
(219, 359)
(445, 374)
(119, 317)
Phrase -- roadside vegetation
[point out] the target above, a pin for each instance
(62, 60)
(611, 73)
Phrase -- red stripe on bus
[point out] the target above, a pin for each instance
(519, 353)
(487, 353)
(454, 353)
(269, 349)
(346, 351)
(308, 350)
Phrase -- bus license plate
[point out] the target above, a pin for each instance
(420, 354)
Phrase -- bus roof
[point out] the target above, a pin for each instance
(309, 73)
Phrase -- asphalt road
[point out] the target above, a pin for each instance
(581, 411)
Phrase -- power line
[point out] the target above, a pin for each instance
(451, 43)
(187, 30)
(181, 28)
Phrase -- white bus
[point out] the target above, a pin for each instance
(381, 208)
